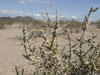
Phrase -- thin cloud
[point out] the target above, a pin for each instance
(21, 13)
(11, 13)
(29, 14)
(37, 15)
(34, 14)
(18, 13)
(26, 1)
(73, 17)
(4, 11)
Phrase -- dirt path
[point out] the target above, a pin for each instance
(10, 50)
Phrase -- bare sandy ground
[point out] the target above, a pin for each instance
(11, 51)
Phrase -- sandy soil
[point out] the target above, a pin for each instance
(11, 51)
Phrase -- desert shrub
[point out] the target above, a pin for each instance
(3, 23)
(79, 58)
(24, 20)
(75, 24)
(96, 23)
(1, 26)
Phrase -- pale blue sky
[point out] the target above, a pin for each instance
(68, 8)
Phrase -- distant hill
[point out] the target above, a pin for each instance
(18, 19)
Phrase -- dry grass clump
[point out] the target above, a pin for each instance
(79, 58)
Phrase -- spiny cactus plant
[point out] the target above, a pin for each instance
(79, 58)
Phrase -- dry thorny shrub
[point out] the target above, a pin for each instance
(73, 59)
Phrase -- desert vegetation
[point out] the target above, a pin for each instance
(81, 57)
(97, 23)
(4, 21)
